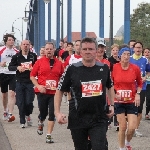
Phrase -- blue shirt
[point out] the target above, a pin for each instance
(142, 63)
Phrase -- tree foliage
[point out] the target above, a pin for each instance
(140, 24)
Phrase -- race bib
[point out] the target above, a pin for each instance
(124, 95)
(27, 65)
(51, 84)
(91, 88)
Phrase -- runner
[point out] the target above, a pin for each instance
(22, 62)
(41, 52)
(101, 52)
(69, 51)
(48, 70)
(113, 60)
(127, 96)
(74, 58)
(61, 46)
(7, 77)
(87, 80)
(146, 53)
(142, 63)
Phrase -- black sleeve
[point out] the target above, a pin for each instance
(13, 64)
(109, 82)
(65, 80)
(35, 58)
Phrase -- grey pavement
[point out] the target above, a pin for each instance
(28, 139)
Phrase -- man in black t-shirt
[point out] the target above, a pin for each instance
(87, 80)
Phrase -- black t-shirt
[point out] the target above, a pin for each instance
(65, 54)
(86, 110)
(112, 61)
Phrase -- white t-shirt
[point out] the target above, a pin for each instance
(5, 56)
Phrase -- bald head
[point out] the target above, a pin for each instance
(25, 45)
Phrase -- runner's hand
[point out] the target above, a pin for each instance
(111, 111)
(20, 69)
(61, 118)
(143, 79)
(137, 100)
(3, 64)
(41, 88)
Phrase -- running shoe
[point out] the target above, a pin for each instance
(40, 128)
(5, 116)
(128, 147)
(147, 117)
(49, 139)
(137, 133)
(117, 128)
(22, 126)
(11, 117)
(109, 127)
(29, 121)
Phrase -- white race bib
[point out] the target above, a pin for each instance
(124, 95)
(91, 88)
(51, 84)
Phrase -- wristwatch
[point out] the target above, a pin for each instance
(138, 93)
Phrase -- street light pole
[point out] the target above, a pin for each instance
(13, 26)
(111, 25)
(62, 19)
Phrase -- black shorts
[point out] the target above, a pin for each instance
(126, 108)
(11, 81)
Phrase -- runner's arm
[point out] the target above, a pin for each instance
(13, 64)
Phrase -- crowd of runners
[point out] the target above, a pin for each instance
(99, 89)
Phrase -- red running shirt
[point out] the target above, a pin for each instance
(72, 59)
(46, 75)
(126, 82)
(104, 61)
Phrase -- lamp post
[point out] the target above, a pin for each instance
(12, 32)
(111, 25)
(62, 20)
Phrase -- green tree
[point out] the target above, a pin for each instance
(140, 24)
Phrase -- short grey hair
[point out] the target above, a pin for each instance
(89, 40)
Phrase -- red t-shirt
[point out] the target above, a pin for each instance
(72, 59)
(126, 82)
(104, 61)
(46, 75)
(60, 52)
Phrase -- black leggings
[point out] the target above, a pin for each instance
(147, 99)
(142, 100)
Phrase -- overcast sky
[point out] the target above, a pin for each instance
(10, 10)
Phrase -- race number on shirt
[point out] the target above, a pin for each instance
(27, 65)
(51, 84)
(91, 88)
(124, 95)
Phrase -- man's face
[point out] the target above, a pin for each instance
(125, 57)
(10, 41)
(131, 44)
(42, 51)
(25, 45)
(49, 50)
(138, 49)
(77, 47)
(69, 48)
(88, 51)
(61, 44)
(100, 51)
(115, 51)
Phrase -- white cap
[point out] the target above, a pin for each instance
(101, 41)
